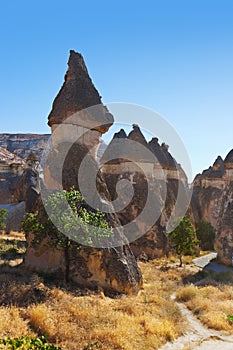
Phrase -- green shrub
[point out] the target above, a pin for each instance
(25, 343)
(230, 318)
(67, 219)
(68, 211)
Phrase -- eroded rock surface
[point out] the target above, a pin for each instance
(213, 201)
(153, 173)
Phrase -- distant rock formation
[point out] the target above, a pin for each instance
(148, 166)
(213, 201)
(110, 268)
(11, 168)
(24, 144)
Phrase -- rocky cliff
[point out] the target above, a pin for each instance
(159, 189)
(213, 201)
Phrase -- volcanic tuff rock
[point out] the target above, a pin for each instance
(112, 268)
(213, 201)
(77, 94)
(150, 168)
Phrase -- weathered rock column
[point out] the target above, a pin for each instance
(78, 119)
(78, 113)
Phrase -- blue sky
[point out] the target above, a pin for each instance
(172, 56)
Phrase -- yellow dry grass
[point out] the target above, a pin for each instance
(12, 324)
(211, 304)
(74, 322)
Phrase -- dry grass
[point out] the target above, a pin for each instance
(211, 304)
(77, 322)
(11, 323)
(31, 306)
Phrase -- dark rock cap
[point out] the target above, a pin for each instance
(161, 153)
(125, 150)
(120, 134)
(137, 135)
(218, 161)
(76, 94)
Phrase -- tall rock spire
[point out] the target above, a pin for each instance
(77, 93)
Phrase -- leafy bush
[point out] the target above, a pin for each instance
(68, 220)
(206, 235)
(230, 318)
(25, 343)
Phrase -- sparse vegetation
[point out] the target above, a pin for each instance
(211, 302)
(74, 321)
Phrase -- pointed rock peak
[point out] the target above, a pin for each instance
(155, 146)
(154, 140)
(76, 66)
(229, 157)
(120, 134)
(136, 128)
(76, 94)
(164, 146)
(218, 161)
(137, 135)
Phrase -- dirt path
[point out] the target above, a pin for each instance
(207, 262)
(199, 337)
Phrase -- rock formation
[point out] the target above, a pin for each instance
(27, 188)
(11, 168)
(24, 144)
(213, 201)
(77, 133)
(153, 173)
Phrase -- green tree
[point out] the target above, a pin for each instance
(183, 239)
(3, 213)
(69, 220)
(206, 235)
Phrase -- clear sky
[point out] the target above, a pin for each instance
(172, 56)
